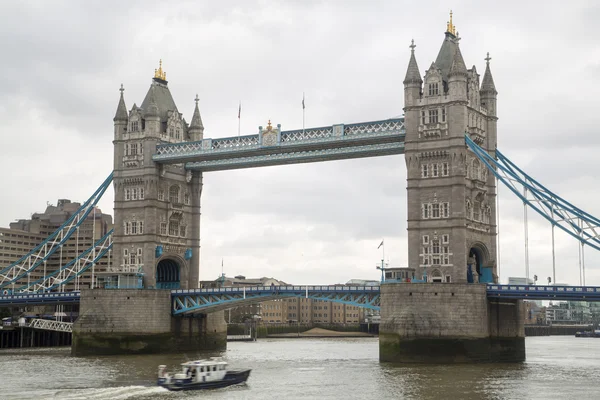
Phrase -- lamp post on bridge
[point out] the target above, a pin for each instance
(382, 267)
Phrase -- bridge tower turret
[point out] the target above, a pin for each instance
(451, 197)
(157, 208)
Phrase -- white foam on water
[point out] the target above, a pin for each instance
(113, 393)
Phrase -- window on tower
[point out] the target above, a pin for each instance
(424, 171)
(135, 127)
(423, 118)
(434, 89)
(433, 116)
(443, 114)
(445, 169)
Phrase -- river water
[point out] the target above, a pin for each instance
(557, 367)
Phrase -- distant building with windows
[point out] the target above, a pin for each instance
(25, 234)
(292, 309)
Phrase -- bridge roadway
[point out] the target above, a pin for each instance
(215, 299)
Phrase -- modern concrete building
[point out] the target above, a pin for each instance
(25, 234)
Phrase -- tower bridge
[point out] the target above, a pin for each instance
(454, 311)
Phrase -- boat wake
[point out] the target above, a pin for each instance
(116, 393)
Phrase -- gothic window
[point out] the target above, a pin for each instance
(174, 194)
(433, 116)
(173, 227)
(445, 210)
(134, 194)
(425, 211)
(434, 89)
(139, 256)
(163, 228)
(426, 255)
(435, 170)
(186, 198)
(182, 230)
(132, 258)
(141, 227)
(445, 169)
(135, 126)
(125, 256)
(469, 210)
(133, 227)
(425, 239)
(443, 114)
(161, 194)
(141, 194)
(423, 119)
(127, 228)
(445, 239)
(446, 255)
(476, 210)
(435, 252)
(424, 170)
(177, 133)
(475, 169)
(170, 131)
(133, 149)
(435, 210)
(127, 194)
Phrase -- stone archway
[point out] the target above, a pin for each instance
(436, 276)
(168, 274)
(478, 257)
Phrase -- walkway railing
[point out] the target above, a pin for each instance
(49, 325)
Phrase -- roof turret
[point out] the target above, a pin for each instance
(121, 114)
(487, 84)
(196, 119)
(412, 72)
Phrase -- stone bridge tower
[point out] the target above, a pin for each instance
(157, 208)
(451, 196)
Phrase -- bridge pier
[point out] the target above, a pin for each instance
(135, 321)
(448, 323)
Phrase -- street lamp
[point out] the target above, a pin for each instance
(382, 267)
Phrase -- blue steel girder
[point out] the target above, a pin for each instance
(38, 298)
(41, 253)
(211, 300)
(368, 139)
(556, 210)
(535, 292)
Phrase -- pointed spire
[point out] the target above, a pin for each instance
(458, 63)
(121, 114)
(412, 73)
(152, 110)
(487, 84)
(196, 120)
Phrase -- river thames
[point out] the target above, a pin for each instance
(557, 367)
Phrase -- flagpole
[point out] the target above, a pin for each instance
(303, 112)
(239, 118)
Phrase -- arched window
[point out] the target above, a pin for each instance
(174, 194)
(475, 170)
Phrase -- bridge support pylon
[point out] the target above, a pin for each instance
(130, 321)
(448, 323)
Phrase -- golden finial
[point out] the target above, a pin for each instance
(269, 127)
(159, 73)
(450, 28)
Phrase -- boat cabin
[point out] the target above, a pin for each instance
(214, 369)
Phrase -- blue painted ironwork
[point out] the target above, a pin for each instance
(44, 250)
(73, 269)
(334, 142)
(210, 300)
(39, 298)
(559, 212)
(534, 292)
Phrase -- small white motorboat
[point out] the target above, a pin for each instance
(201, 374)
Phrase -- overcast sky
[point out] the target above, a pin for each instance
(62, 63)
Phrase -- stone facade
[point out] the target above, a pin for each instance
(157, 207)
(451, 197)
(433, 323)
(131, 321)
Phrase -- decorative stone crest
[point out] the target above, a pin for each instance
(270, 135)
